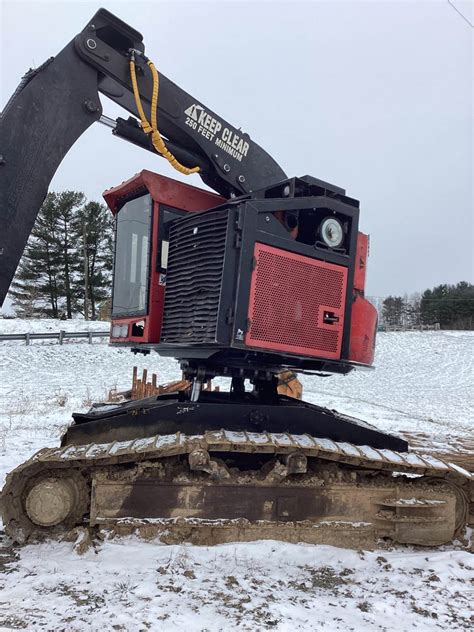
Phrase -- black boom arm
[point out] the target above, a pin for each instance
(56, 103)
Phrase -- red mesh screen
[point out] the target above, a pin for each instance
(296, 304)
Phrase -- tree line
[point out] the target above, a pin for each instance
(451, 306)
(67, 264)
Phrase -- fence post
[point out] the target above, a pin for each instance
(90, 337)
(27, 337)
(61, 336)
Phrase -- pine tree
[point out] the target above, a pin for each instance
(393, 311)
(68, 205)
(70, 241)
(37, 288)
(27, 298)
(93, 232)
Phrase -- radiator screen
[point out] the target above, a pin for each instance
(296, 304)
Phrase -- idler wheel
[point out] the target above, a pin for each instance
(462, 502)
(51, 501)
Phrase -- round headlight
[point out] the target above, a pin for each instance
(332, 232)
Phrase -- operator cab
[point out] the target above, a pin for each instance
(144, 208)
(138, 266)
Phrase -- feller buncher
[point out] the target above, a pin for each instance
(265, 275)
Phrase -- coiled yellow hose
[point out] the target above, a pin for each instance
(152, 129)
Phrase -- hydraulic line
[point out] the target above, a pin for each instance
(152, 128)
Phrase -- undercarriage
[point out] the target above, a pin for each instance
(164, 467)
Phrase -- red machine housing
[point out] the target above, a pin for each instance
(163, 191)
(297, 305)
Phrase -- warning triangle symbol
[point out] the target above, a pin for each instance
(192, 111)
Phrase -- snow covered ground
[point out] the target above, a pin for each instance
(423, 383)
(131, 585)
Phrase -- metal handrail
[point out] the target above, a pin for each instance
(61, 335)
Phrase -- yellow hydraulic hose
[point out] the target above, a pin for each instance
(152, 129)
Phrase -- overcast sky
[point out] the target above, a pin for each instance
(375, 97)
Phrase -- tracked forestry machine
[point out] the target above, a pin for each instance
(267, 274)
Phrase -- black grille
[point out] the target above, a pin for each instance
(194, 277)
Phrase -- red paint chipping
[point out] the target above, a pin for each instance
(362, 253)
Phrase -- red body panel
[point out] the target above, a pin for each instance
(363, 313)
(171, 193)
(164, 190)
(363, 331)
(289, 297)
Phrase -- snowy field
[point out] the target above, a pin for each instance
(422, 383)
